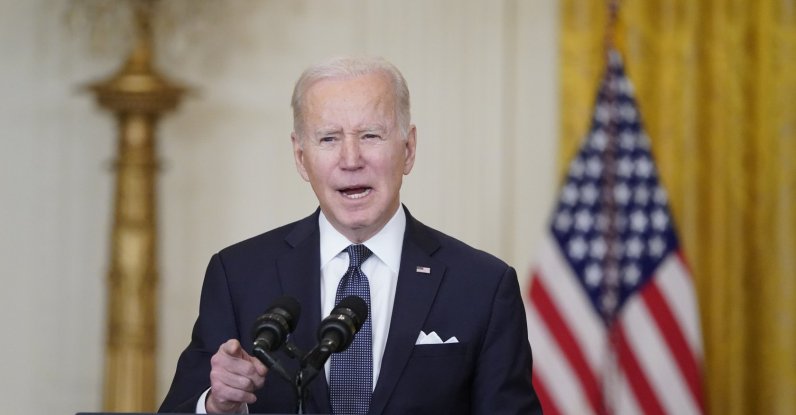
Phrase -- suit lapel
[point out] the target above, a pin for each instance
(300, 275)
(414, 295)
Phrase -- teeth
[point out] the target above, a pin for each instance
(357, 195)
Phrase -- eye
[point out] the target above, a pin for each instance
(371, 136)
(327, 139)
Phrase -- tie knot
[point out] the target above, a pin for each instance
(357, 254)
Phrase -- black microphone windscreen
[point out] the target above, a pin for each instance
(292, 306)
(355, 304)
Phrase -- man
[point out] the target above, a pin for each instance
(446, 329)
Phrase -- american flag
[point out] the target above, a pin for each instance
(612, 312)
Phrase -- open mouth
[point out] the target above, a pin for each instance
(357, 192)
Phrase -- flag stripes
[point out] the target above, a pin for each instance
(674, 339)
(567, 343)
(641, 387)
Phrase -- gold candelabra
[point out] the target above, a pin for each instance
(138, 95)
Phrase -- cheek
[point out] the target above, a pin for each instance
(316, 165)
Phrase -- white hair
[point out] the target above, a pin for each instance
(351, 67)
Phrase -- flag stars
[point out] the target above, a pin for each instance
(609, 301)
(644, 167)
(576, 168)
(625, 167)
(594, 275)
(569, 195)
(594, 167)
(660, 196)
(599, 140)
(638, 221)
(631, 275)
(634, 247)
(642, 195)
(657, 246)
(563, 221)
(584, 220)
(644, 141)
(589, 194)
(598, 248)
(660, 220)
(627, 140)
(621, 194)
(602, 113)
(625, 86)
(578, 248)
(628, 113)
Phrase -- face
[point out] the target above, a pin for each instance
(352, 152)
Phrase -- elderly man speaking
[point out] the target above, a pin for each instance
(445, 329)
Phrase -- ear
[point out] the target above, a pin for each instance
(411, 144)
(298, 156)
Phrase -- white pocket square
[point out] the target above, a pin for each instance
(433, 338)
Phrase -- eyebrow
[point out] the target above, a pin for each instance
(371, 128)
(324, 131)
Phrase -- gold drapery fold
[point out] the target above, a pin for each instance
(716, 85)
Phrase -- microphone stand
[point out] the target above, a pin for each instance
(271, 363)
(298, 381)
(311, 366)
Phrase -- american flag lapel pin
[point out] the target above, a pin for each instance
(424, 270)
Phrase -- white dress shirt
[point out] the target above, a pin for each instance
(381, 268)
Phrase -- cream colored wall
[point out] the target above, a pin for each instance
(482, 75)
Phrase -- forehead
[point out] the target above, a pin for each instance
(352, 99)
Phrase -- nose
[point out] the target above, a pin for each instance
(351, 154)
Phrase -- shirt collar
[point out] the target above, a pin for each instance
(385, 244)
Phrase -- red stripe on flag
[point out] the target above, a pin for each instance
(675, 339)
(638, 382)
(548, 403)
(685, 265)
(566, 341)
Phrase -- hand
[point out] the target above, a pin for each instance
(234, 376)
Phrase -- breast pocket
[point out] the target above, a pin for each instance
(435, 380)
(444, 349)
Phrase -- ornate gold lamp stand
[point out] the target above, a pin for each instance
(138, 96)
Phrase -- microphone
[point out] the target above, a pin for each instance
(337, 331)
(271, 329)
(335, 334)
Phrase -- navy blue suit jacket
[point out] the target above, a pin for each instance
(468, 294)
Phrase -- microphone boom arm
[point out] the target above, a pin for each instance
(270, 362)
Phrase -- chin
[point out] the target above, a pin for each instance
(357, 222)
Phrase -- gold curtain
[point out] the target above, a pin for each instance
(716, 85)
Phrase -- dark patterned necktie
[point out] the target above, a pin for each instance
(351, 371)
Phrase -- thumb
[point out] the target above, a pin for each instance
(258, 365)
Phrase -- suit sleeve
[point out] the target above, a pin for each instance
(215, 325)
(502, 383)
